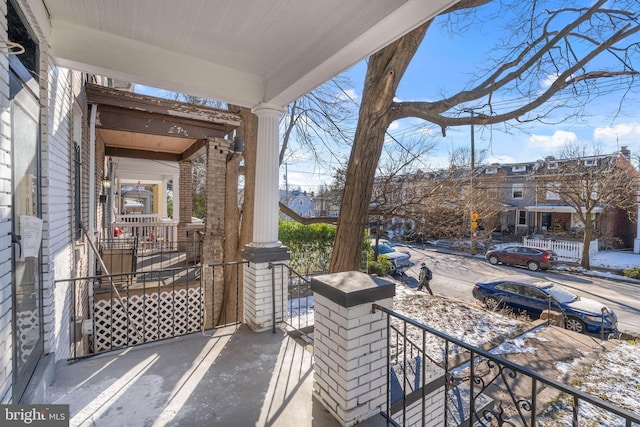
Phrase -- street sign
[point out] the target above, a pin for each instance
(474, 217)
(474, 224)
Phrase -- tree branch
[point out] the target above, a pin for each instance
(306, 221)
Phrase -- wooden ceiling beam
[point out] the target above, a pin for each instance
(155, 124)
(141, 154)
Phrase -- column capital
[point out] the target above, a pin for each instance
(264, 109)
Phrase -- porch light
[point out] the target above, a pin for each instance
(238, 144)
(106, 182)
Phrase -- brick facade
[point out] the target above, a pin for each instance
(216, 159)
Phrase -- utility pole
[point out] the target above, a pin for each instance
(473, 215)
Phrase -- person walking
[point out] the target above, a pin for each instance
(425, 276)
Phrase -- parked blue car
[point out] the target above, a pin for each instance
(532, 296)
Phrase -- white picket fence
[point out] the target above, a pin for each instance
(567, 250)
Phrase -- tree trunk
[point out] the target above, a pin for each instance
(384, 71)
(586, 241)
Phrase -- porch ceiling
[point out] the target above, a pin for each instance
(237, 51)
(146, 127)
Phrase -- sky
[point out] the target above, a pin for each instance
(443, 65)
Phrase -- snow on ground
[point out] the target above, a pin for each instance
(615, 260)
(516, 345)
(614, 378)
(465, 322)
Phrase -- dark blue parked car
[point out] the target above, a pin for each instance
(532, 296)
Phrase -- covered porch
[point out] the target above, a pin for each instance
(228, 376)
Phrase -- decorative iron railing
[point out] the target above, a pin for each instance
(434, 379)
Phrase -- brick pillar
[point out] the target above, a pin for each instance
(259, 282)
(216, 158)
(185, 208)
(350, 344)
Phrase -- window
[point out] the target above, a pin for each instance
(590, 162)
(553, 191)
(594, 191)
(532, 292)
(522, 217)
(518, 168)
(517, 191)
(552, 165)
(490, 171)
(510, 287)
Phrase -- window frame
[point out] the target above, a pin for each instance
(514, 187)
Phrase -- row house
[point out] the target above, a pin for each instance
(542, 197)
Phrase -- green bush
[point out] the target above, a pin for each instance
(633, 272)
(310, 245)
(381, 267)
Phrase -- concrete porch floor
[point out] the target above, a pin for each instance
(228, 377)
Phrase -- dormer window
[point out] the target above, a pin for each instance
(552, 165)
(590, 162)
(490, 171)
(518, 168)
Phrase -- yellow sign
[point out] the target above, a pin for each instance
(474, 224)
(474, 216)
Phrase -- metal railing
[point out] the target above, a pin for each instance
(292, 292)
(125, 254)
(431, 373)
(116, 311)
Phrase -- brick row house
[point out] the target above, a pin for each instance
(512, 200)
(542, 197)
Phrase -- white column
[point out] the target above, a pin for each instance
(265, 221)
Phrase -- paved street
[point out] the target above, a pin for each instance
(454, 276)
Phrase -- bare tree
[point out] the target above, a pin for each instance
(318, 121)
(591, 183)
(550, 52)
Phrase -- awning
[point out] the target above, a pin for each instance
(558, 208)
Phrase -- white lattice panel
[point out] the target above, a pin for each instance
(155, 315)
(27, 322)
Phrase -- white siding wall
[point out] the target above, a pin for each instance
(56, 93)
(58, 203)
(6, 348)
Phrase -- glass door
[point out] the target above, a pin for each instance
(26, 213)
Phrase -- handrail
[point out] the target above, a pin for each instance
(515, 369)
(291, 274)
